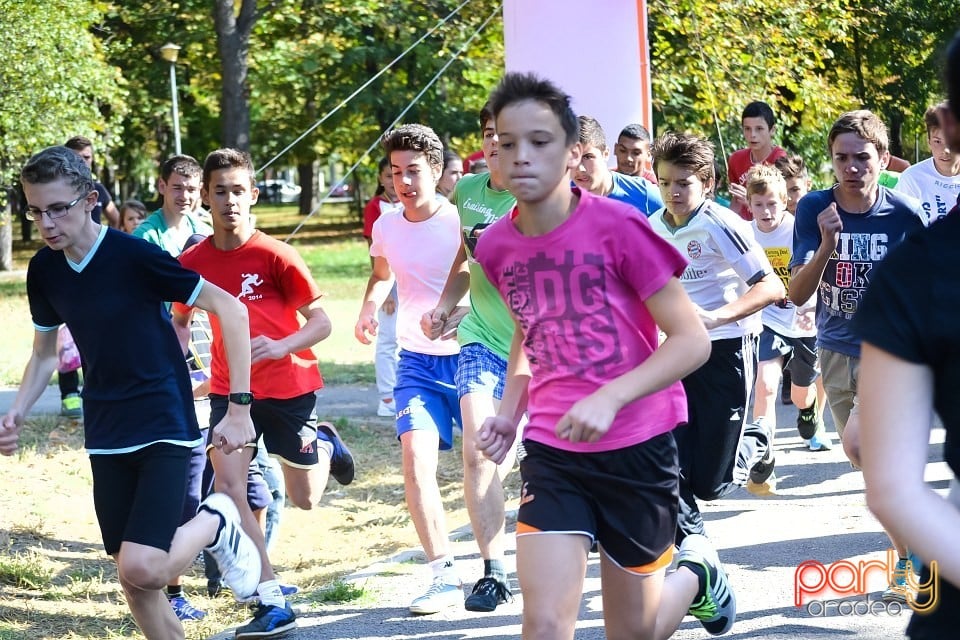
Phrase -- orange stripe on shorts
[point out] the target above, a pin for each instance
(525, 528)
(663, 561)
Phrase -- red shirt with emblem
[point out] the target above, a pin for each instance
(273, 281)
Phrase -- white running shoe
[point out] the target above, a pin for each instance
(438, 597)
(386, 409)
(233, 550)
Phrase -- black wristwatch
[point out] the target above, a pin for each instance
(241, 398)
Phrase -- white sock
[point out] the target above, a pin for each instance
(444, 569)
(270, 594)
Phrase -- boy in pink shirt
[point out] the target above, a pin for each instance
(588, 282)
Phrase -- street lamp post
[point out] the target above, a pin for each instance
(169, 52)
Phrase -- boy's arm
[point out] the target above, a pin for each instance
(687, 347)
(437, 322)
(495, 437)
(36, 377)
(766, 290)
(316, 328)
(378, 288)
(805, 279)
(181, 325)
(236, 428)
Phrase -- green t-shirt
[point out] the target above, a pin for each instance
(155, 231)
(489, 321)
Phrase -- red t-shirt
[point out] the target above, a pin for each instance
(738, 165)
(272, 280)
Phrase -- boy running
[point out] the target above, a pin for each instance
(485, 335)
(758, 124)
(729, 279)
(588, 283)
(139, 421)
(416, 245)
(274, 285)
(789, 334)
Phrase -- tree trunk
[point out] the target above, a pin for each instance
(6, 230)
(233, 43)
(896, 133)
(307, 179)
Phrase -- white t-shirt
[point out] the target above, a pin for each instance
(937, 192)
(782, 316)
(725, 260)
(420, 255)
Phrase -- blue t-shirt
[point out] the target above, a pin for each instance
(636, 191)
(865, 240)
(137, 387)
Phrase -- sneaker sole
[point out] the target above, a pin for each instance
(807, 431)
(344, 476)
(222, 505)
(275, 633)
(479, 607)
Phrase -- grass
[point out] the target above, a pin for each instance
(56, 582)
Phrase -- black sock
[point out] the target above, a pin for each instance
(174, 591)
(701, 574)
(494, 569)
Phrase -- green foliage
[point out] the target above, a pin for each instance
(26, 570)
(54, 79)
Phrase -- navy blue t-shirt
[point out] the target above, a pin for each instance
(103, 199)
(865, 241)
(137, 387)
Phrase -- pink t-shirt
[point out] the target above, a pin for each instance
(578, 294)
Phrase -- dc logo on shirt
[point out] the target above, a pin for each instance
(694, 250)
(250, 280)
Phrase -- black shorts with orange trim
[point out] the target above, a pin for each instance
(625, 499)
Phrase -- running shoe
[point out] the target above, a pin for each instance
(341, 462)
(807, 422)
(235, 553)
(488, 592)
(286, 589)
(268, 621)
(385, 409)
(819, 444)
(763, 489)
(71, 406)
(715, 604)
(438, 597)
(763, 469)
(184, 610)
(898, 589)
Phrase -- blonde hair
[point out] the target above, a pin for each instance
(762, 178)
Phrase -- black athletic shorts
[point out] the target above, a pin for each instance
(625, 499)
(289, 427)
(138, 496)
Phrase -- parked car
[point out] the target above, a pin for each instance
(278, 191)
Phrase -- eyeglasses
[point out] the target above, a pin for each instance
(56, 211)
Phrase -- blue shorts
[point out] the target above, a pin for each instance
(480, 370)
(426, 395)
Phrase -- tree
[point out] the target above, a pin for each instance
(233, 42)
(54, 83)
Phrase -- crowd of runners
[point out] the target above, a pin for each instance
(622, 332)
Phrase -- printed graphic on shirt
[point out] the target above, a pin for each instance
(250, 280)
(852, 262)
(564, 312)
(779, 258)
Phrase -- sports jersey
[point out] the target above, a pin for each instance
(489, 321)
(777, 244)
(420, 255)
(136, 386)
(725, 261)
(377, 206)
(155, 231)
(936, 192)
(740, 162)
(270, 278)
(865, 241)
(578, 294)
(637, 192)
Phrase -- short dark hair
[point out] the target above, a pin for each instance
(227, 159)
(591, 133)
(952, 75)
(865, 124)
(759, 109)
(55, 163)
(635, 132)
(517, 87)
(383, 164)
(184, 165)
(791, 166)
(685, 150)
(78, 143)
(448, 157)
(486, 115)
(415, 137)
